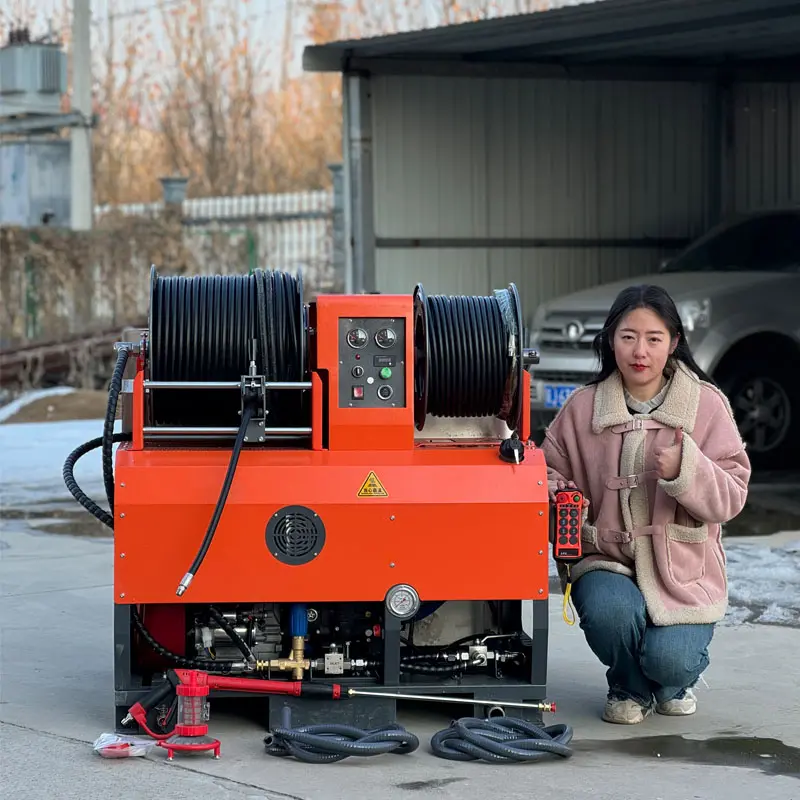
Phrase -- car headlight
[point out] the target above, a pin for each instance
(695, 314)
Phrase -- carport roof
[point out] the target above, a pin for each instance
(611, 33)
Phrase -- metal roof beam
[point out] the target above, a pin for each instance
(784, 18)
(637, 71)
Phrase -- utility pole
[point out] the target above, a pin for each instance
(81, 134)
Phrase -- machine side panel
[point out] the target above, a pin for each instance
(455, 524)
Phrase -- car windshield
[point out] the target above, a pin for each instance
(768, 243)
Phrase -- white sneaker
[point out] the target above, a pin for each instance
(625, 712)
(680, 706)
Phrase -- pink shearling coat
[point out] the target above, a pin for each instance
(665, 534)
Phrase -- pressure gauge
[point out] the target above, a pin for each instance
(357, 338)
(385, 338)
(403, 601)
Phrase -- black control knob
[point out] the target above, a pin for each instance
(512, 450)
(357, 371)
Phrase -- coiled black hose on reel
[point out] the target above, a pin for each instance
(468, 354)
(501, 740)
(202, 328)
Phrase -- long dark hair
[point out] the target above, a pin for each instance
(657, 300)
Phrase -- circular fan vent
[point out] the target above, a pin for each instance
(295, 535)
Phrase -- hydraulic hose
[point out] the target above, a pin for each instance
(107, 441)
(68, 473)
(247, 415)
(325, 744)
(232, 634)
(108, 428)
(501, 740)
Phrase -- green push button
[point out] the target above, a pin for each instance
(386, 373)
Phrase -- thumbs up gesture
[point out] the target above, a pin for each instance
(668, 459)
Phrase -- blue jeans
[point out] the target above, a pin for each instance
(644, 661)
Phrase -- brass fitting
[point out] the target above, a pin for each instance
(296, 663)
(298, 656)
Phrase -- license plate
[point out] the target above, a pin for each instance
(556, 396)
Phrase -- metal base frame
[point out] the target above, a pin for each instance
(363, 712)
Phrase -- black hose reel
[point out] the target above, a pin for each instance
(468, 354)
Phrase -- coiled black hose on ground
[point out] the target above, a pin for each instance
(326, 744)
(501, 740)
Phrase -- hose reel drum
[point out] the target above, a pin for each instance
(468, 353)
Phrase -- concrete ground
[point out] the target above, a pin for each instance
(56, 698)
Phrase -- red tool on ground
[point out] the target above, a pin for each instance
(192, 688)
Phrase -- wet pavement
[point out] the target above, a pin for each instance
(769, 756)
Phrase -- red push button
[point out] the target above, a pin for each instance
(358, 393)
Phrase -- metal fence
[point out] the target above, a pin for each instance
(288, 232)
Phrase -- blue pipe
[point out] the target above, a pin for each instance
(298, 620)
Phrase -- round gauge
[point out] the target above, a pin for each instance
(357, 338)
(403, 601)
(385, 337)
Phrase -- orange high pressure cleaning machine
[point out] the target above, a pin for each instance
(327, 491)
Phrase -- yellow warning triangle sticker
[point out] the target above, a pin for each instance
(372, 487)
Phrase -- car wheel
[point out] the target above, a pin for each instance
(766, 407)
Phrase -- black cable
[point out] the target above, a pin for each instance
(68, 473)
(500, 740)
(108, 428)
(325, 744)
(107, 440)
(232, 633)
(247, 415)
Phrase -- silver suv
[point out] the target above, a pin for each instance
(738, 293)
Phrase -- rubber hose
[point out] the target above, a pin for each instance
(469, 361)
(247, 415)
(325, 744)
(108, 428)
(232, 633)
(503, 740)
(108, 521)
(202, 328)
(68, 473)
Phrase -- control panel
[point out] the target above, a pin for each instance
(372, 369)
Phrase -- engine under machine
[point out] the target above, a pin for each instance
(342, 489)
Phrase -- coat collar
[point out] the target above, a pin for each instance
(679, 408)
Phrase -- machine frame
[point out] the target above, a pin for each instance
(348, 443)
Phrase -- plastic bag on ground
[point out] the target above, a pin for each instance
(114, 745)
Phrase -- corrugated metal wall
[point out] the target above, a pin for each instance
(474, 159)
(767, 145)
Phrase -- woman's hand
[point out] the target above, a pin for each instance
(668, 459)
(560, 486)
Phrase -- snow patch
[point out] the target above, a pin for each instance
(9, 409)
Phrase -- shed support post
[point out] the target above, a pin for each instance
(722, 162)
(359, 187)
